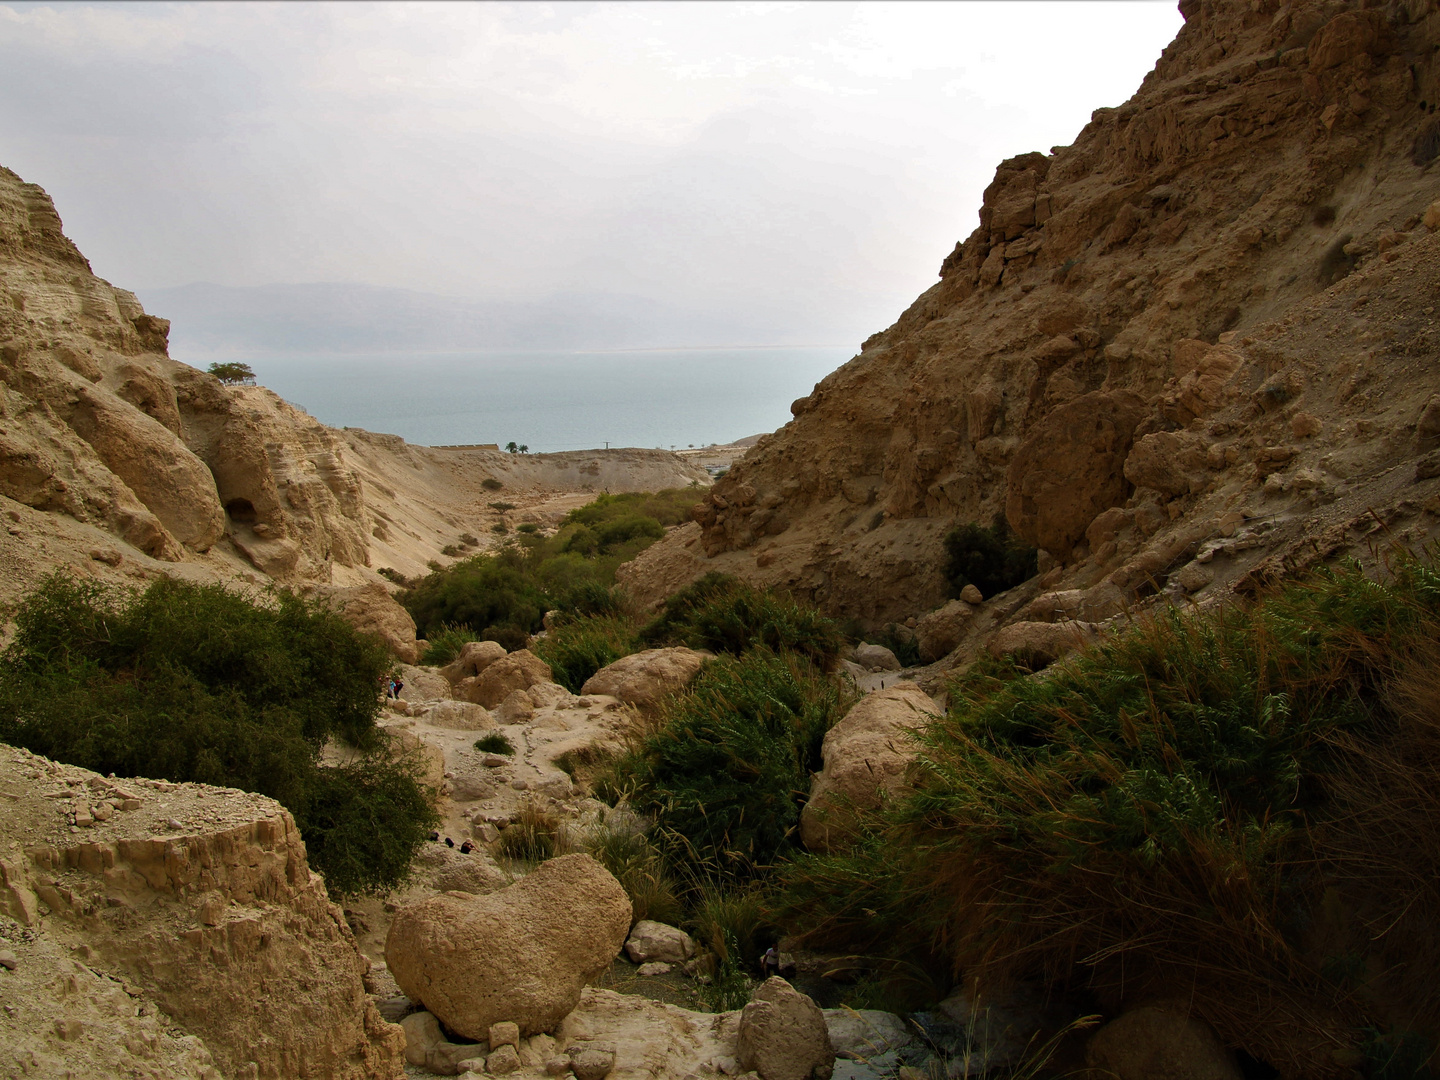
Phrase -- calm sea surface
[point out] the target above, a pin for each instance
(553, 401)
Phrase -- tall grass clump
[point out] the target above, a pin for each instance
(533, 834)
(723, 614)
(187, 682)
(641, 871)
(576, 648)
(727, 767)
(1240, 803)
(445, 643)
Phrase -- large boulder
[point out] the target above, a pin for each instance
(875, 657)
(865, 757)
(423, 684)
(371, 608)
(520, 670)
(1071, 467)
(1160, 1042)
(654, 941)
(1039, 644)
(522, 954)
(644, 678)
(861, 1034)
(938, 632)
(473, 658)
(1170, 462)
(783, 1035)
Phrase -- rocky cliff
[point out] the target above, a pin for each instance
(1206, 327)
(194, 906)
(118, 462)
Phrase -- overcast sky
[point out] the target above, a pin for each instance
(813, 160)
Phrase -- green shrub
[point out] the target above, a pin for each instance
(196, 683)
(481, 591)
(501, 507)
(445, 643)
(467, 540)
(728, 768)
(510, 637)
(723, 614)
(503, 594)
(1195, 802)
(363, 823)
(395, 577)
(990, 559)
(500, 528)
(577, 648)
(491, 484)
(731, 922)
(494, 743)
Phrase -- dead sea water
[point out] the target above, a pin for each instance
(552, 400)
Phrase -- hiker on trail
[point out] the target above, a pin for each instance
(395, 687)
(769, 963)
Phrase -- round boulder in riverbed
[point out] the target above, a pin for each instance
(523, 953)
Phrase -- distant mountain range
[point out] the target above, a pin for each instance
(217, 320)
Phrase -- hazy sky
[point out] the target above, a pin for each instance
(812, 159)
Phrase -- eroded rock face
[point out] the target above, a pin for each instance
(1139, 320)
(644, 678)
(866, 755)
(1071, 468)
(521, 954)
(783, 1035)
(372, 609)
(210, 918)
(101, 425)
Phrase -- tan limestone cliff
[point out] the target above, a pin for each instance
(199, 901)
(119, 463)
(1207, 328)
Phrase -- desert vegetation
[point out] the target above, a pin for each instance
(185, 682)
(990, 558)
(1239, 801)
(503, 596)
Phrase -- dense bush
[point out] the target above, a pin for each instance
(723, 614)
(728, 768)
(576, 648)
(1240, 802)
(503, 596)
(188, 682)
(485, 590)
(445, 642)
(992, 559)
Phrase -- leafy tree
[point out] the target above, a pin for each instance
(233, 374)
(512, 446)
